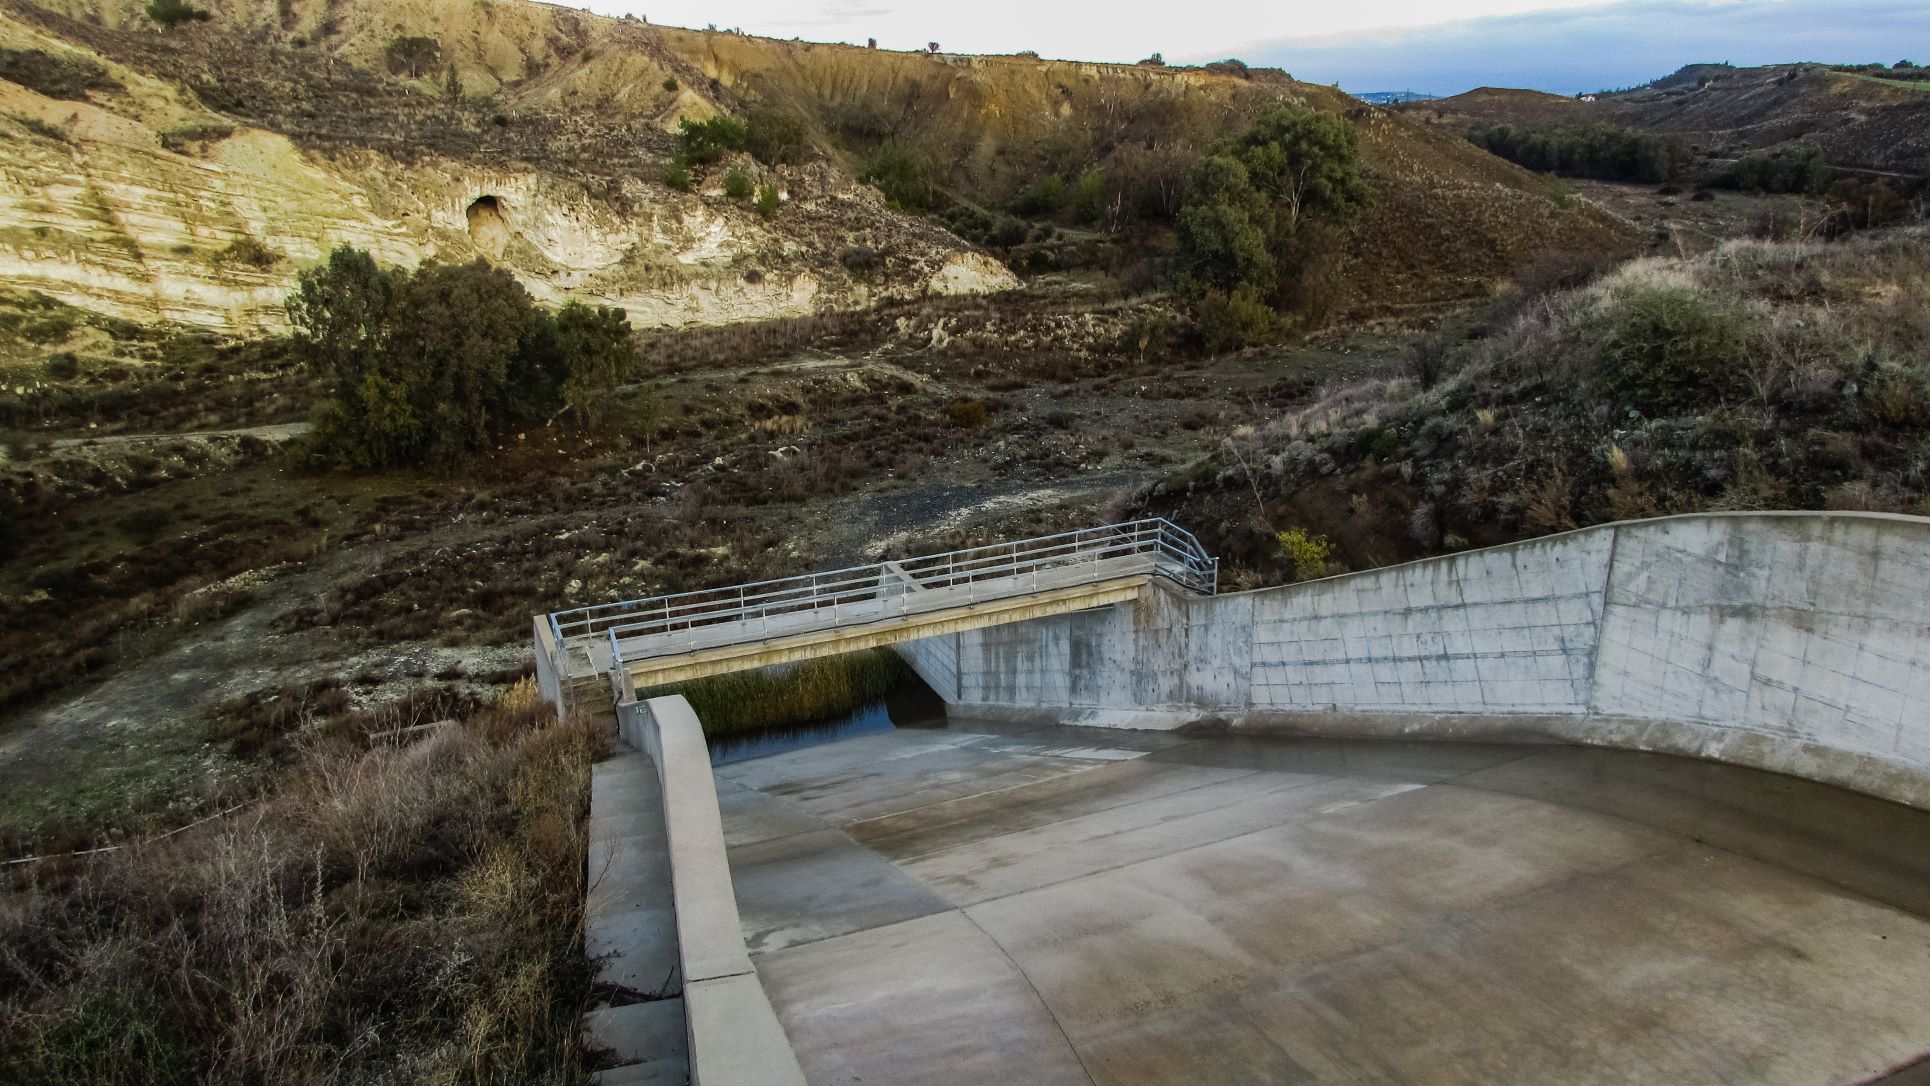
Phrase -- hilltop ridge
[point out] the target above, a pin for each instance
(286, 129)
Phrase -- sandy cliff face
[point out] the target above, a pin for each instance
(142, 203)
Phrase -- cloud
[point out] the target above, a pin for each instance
(1596, 48)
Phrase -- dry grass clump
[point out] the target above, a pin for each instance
(811, 691)
(401, 915)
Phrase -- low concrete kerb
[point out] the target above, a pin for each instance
(735, 1038)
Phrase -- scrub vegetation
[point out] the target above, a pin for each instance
(392, 913)
(803, 693)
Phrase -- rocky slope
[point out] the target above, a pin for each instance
(190, 173)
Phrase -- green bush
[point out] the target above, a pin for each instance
(1665, 349)
(1799, 169)
(1310, 553)
(900, 176)
(1089, 198)
(737, 185)
(707, 141)
(1230, 321)
(768, 201)
(1045, 197)
(413, 55)
(676, 174)
(424, 367)
(1258, 202)
(170, 13)
(1604, 151)
(670, 83)
(811, 691)
(776, 138)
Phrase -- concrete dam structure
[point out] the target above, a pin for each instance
(1793, 642)
(1432, 823)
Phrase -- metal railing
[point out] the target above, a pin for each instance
(681, 622)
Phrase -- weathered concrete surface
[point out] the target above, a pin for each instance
(1231, 909)
(630, 928)
(1796, 642)
(731, 1034)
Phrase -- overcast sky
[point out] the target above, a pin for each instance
(1441, 46)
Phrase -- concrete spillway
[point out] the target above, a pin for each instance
(1072, 905)
(1239, 878)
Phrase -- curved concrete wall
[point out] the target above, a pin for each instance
(1796, 642)
(734, 1037)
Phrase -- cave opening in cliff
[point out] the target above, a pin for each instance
(489, 225)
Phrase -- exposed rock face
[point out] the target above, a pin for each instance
(104, 203)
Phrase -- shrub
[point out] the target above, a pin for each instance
(1605, 151)
(968, 414)
(900, 176)
(1045, 196)
(1089, 199)
(707, 141)
(737, 185)
(1665, 349)
(670, 83)
(249, 252)
(861, 259)
(1798, 169)
(811, 691)
(56, 77)
(1228, 322)
(427, 366)
(676, 174)
(1308, 552)
(171, 13)
(595, 342)
(768, 201)
(775, 138)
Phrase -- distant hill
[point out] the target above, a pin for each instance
(1393, 98)
(1860, 120)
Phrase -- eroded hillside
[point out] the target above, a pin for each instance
(189, 173)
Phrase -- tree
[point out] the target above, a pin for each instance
(899, 175)
(452, 83)
(1259, 210)
(413, 54)
(596, 344)
(171, 13)
(450, 350)
(340, 313)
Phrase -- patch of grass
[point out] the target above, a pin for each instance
(811, 691)
(410, 911)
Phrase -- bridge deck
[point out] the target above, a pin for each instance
(665, 639)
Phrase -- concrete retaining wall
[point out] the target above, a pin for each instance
(734, 1035)
(1798, 642)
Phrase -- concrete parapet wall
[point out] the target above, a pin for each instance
(1798, 642)
(734, 1035)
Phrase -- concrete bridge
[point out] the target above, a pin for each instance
(664, 639)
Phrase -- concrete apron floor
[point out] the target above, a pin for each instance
(1061, 905)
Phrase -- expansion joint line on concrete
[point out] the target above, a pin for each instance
(1036, 994)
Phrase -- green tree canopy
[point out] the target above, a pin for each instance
(1254, 219)
(425, 367)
